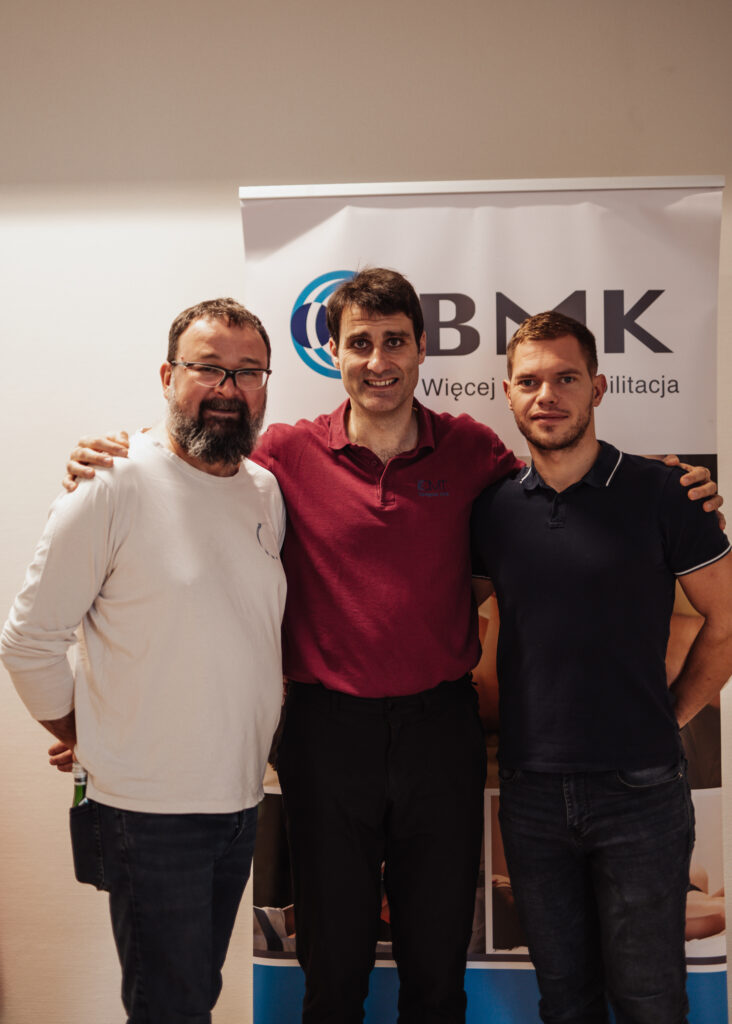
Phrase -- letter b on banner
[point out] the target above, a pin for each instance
(463, 309)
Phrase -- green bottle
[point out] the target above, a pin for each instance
(79, 773)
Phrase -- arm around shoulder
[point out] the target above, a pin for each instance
(94, 451)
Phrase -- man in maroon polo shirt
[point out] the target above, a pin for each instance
(382, 758)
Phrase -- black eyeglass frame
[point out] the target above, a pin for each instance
(226, 374)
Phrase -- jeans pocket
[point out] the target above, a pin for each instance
(86, 844)
(644, 778)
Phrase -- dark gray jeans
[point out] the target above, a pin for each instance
(599, 864)
(175, 882)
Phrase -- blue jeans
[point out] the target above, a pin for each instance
(175, 882)
(599, 864)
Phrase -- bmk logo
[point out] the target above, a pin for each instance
(450, 331)
(308, 325)
(433, 488)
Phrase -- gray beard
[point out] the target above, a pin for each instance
(226, 442)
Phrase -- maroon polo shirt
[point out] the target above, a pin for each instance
(377, 556)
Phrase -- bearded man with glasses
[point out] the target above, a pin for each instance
(169, 563)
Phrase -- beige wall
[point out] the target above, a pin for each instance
(126, 129)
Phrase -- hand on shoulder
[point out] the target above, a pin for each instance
(91, 452)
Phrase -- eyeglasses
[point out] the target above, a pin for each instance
(248, 379)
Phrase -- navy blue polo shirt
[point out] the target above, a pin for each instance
(585, 587)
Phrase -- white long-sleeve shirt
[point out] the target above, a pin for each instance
(174, 575)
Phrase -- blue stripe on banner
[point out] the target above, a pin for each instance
(498, 996)
(707, 997)
(502, 997)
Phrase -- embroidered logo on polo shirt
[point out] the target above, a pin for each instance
(433, 488)
(266, 541)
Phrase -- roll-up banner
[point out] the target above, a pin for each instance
(637, 261)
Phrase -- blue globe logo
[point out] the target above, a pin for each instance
(308, 322)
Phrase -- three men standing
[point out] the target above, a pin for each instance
(382, 756)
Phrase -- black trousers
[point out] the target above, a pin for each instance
(397, 781)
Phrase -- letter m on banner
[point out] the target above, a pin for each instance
(575, 305)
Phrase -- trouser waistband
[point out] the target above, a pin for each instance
(317, 693)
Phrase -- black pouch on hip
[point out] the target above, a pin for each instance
(86, 844)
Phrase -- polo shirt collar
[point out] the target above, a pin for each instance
(338, 436)
(599, 474)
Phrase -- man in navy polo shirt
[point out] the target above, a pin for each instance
(583, 549)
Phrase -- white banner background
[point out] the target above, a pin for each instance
(516, 246)
(536, 247)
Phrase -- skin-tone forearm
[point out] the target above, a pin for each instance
(706, 670)
(708, 664)
(64, 729)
